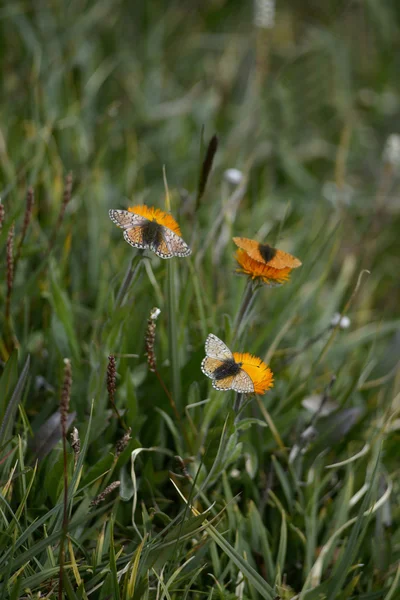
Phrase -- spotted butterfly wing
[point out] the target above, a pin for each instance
(135, 238)
(170, 245)
(209, 365)
(223, 385)
(215, 348)
(242, 383)
(218, 353)
(126, 219)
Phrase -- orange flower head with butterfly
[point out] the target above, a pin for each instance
(241, 372)
(264, 263)
(149, 228)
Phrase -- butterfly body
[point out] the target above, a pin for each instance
(222, 368)
(228, 368)
(267, 252)
(151, 232)
(148, 231)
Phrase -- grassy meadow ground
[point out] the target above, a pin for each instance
(284, 501)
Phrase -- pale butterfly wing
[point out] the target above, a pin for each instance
(171, 245)
(215, 348)
(242, 383)
(223, 384)
(209, 365)
(126, 219)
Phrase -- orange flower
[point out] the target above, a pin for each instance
(157, 215)
(256, 270)
(260, 374)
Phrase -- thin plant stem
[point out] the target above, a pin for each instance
(111, 379)
(10, 271)
(313, 340)
(175, 410)
(30, 198)
(65, 518)
(130, 276)
(64, 409)
(271, 425)
(244, 309)
(221, 452)
(65, 201)
(173, 331)
(238, 402)
(206, 169)
(337, 327)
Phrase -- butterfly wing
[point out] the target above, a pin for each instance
(223, 384)
(209, 365)
(134, 237)
(161, 248)
(170, 245)
(215, 348)
(126, 219)
(249, 246)
(283, 259)
(242, 383)
(278, 260)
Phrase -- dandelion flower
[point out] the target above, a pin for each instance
(146, 227)
(242, 372)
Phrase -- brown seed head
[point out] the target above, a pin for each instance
(111, 377)
(10, 259)
(65, 395)
(122, 443)
(105, 493)
(30, 199)
(150, 339)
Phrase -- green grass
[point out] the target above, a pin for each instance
(255, 506)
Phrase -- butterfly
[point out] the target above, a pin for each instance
(266, 254)
(144, 233)
(220, 365)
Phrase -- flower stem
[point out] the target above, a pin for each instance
(238, 402)
(130, 276)
(244, 309)
(173, 332)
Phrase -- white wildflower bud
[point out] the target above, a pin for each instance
(235, 473)
(233, 176)
(264, 13)
(391, 153)
(343, 322)
(154, 314)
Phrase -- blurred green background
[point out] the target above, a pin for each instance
(305, 100)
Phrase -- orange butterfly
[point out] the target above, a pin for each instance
(145, 229)
(267, 255)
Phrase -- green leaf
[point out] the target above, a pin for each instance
(63, 309)
(357, 533)
(9, 416)
(281, 556)
(7, 381)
